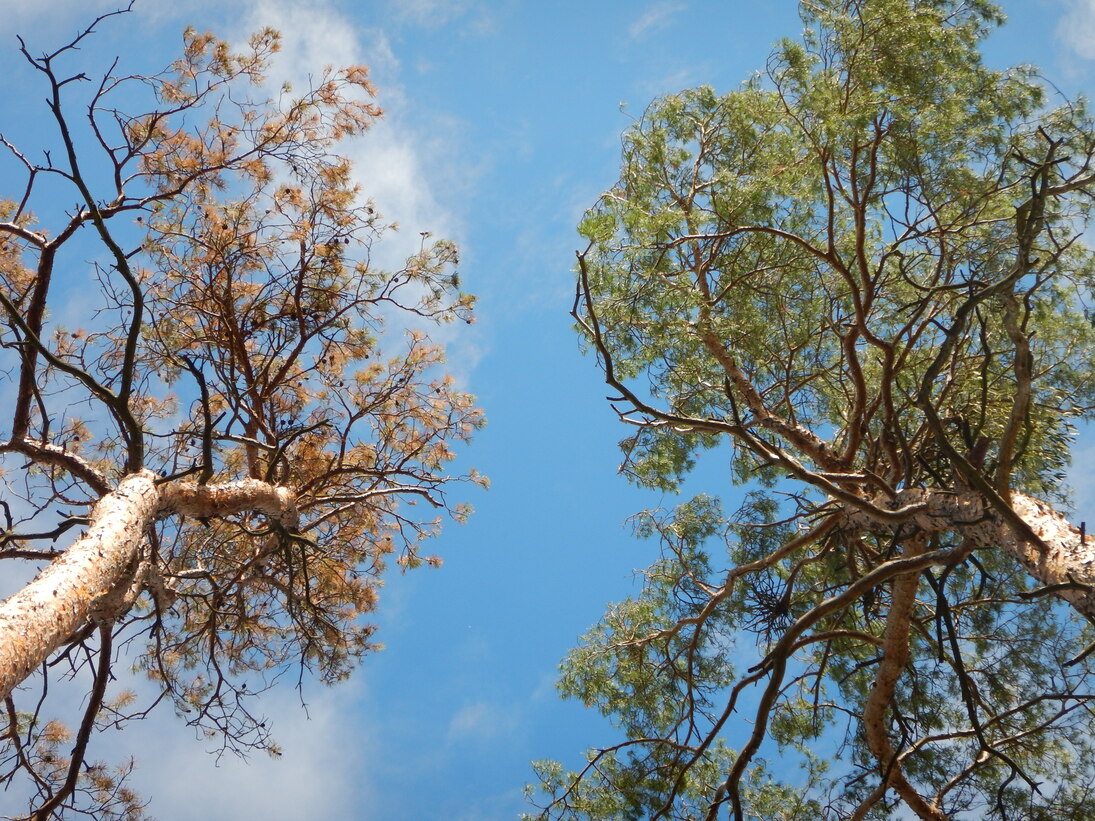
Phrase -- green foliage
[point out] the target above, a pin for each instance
(872, 171)
(863, 270)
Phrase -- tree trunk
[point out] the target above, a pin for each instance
(39, 618)
(1068, 559)
(1063, 559)
(87, 582)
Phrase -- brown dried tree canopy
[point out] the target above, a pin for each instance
(239, 420)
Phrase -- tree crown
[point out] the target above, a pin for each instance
(864, 270)
(243, 420)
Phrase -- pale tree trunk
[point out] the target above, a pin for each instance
(98, 578)
(1068, 560)
(1060, 557)
(1037, 536)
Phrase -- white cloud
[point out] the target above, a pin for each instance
(430, 13)
(482, 720)
(672, 81)
(322, 773)
(325, 770)
(52, 23)
(391, 161)
(403, 163)
(400, 165)
(655, 17)
(465, 16)
(54, 13)
(1077, 27)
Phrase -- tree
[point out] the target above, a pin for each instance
(863, 274)
(233, 443)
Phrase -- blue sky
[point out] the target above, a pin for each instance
(503, 124)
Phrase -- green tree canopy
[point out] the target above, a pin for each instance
(863, 270)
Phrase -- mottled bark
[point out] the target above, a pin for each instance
(1068, 558)
(206, 501)
(99, 576)
(36, 621)
(1059, 556)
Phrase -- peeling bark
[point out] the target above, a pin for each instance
(36, 621)
(1069, 559)
(206, 501)
(1063, 559)
(99, 577)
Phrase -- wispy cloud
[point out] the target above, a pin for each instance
(466, 16)
(388, 162)
(51, 23)
(482, 720)
(1077, 27)
(672, 81)
(321, 774)
(400, 164)
(18, 12)
(654, 17)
